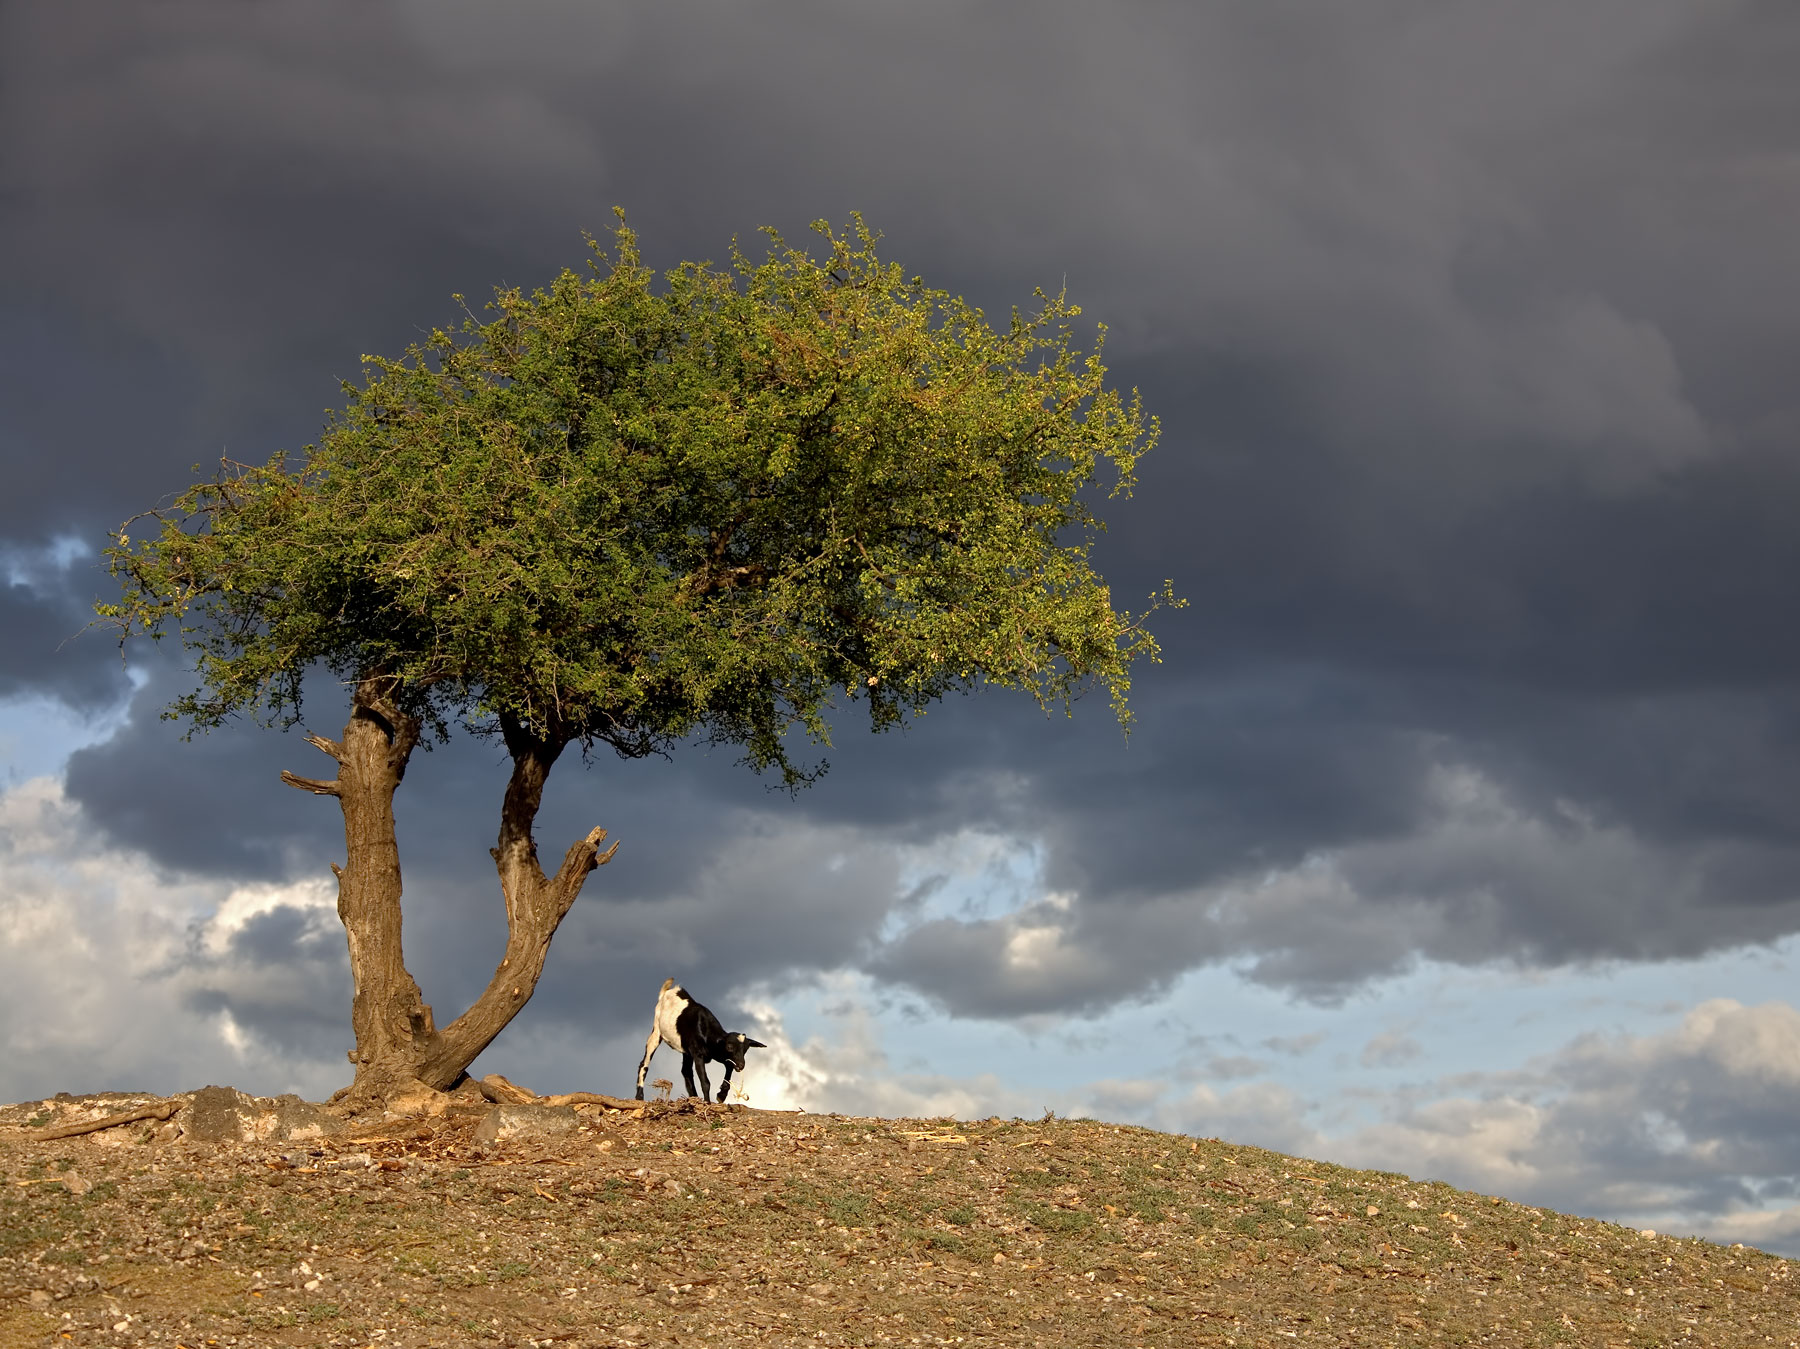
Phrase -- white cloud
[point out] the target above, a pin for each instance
(850, 1073)
(316, 899)
(1688, 1127)
(1390, 1049)
(114, 975)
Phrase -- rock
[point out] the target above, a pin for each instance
(219, 1115)
(292, 1120)
(227, 1115)
(506, 1122)
(40, 1298)
(418, 1099)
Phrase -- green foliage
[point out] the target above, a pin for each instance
(628, 513)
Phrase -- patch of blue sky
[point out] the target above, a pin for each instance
(37, 734)
(973, 877)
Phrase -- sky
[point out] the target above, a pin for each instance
(1459, 831)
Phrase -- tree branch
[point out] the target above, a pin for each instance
(584, 857)
(317, 786)
(330, 747)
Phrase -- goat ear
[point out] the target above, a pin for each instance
(753, 1044)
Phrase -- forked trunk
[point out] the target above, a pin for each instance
(397, 1040)
(535, 907)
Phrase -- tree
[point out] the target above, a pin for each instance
(628, 514)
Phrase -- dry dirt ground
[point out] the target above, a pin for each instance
(726, 1226)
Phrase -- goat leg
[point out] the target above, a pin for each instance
(687, 1072)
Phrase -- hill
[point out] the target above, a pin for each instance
(726, 1226)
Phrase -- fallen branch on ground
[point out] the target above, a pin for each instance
(162, 1110)
(501, 1092)
(593, 1098)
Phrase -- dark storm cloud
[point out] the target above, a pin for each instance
(283, 977)
(47, 649)
(1472, 334)
(211, 806)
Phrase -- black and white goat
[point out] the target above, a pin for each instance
(683, 1024)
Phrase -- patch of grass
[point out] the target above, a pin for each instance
(1057, 1220)
(1152, 1202)
(1176, 1232)
(933, 1240)
(847, 1209)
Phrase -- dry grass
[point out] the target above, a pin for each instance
(729, 1228)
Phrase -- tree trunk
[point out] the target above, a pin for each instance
(397, 1040)
(391, 1021)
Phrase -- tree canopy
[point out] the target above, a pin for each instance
(621, 512)
(629, 511)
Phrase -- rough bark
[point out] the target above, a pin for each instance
(388, 1015)
(398, 1043)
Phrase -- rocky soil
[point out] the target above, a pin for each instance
(237, 1222)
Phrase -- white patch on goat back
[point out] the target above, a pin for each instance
(670, 1003)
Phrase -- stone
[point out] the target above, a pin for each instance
(218, 1115)
(227, 1115)
(418, 1099)
(506, 1122)
(292, 1120)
